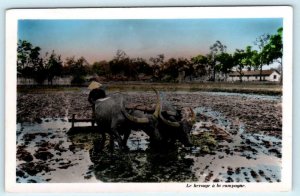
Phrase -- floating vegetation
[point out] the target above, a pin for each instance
(205, 141)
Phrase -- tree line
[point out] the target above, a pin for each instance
(31, 64)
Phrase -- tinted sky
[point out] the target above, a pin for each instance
(100, 39)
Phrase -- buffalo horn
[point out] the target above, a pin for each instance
(131, 117)
(165, 121)
(157, 107)
(193, 118)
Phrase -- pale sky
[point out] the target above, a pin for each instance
(100, 39)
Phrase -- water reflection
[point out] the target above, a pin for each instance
(140, 164)
(46, 153)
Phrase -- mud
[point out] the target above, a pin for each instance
(260, 113)
(237, 138)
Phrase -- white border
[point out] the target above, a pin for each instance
(12, 16)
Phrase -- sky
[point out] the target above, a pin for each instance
(98, 40)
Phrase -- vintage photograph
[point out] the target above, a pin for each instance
(193, 100)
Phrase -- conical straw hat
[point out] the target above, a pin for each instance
(94, 85)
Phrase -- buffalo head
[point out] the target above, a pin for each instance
(172, 129)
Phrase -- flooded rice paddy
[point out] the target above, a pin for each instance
(236, 139)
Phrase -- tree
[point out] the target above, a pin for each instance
(120, 63)
(185, 68)
(175, 69)
(255, 59)
(34, 57)
(29, 62)
(28, 58)
(23, 52)
(78, 69)
(40, 72)
(68, 65)
(141, 66)
(101, 68)
(200, 65)
(157, 65)
(215, 49)
(170, 69)
(240, 61)
(261, 42)
(225, 62)
(251, 58)
(120, 55)
(273, 50)
(130, 69)
(54, 66)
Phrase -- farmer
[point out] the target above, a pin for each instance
(96, 93)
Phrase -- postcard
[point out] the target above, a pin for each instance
(161, 99)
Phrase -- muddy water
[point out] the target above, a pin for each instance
(243, 157)
(224, 151)
(56, 157)
(61, 157)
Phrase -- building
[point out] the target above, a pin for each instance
(267, 75)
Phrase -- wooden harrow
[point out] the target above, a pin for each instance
(73, 120)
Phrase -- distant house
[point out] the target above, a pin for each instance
(267, 75)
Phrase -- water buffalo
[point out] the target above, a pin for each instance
(111, 117)
(173, 126)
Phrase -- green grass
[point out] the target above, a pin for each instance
(45, 89)
(253, 88)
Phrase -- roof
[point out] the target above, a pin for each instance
(254, 73)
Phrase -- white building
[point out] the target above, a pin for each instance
(267, 75)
